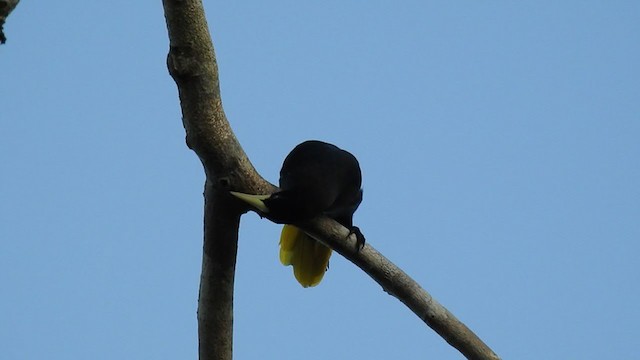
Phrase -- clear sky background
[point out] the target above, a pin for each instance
(499, 143)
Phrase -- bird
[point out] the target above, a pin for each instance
(316, 178)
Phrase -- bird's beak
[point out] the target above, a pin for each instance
(254, 200)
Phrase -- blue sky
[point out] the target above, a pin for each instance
(499, 148)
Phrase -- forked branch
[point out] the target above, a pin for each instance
(192, 64)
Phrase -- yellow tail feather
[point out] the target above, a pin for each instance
(308, 257)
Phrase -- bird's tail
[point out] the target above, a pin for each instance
(308, 257)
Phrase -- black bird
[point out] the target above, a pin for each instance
(316, 178)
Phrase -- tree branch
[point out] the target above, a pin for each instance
(6, 7)
(192, 64)
(215, 303)
(397, 283)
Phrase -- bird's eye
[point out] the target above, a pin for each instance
(224, 182)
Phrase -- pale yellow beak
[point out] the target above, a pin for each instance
(254, 200)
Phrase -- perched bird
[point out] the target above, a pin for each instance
(316, 178)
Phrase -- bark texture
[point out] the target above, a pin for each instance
(396, 282)
(192, 64)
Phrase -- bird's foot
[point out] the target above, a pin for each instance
(360, 240)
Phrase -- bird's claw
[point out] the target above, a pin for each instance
(360, 240)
